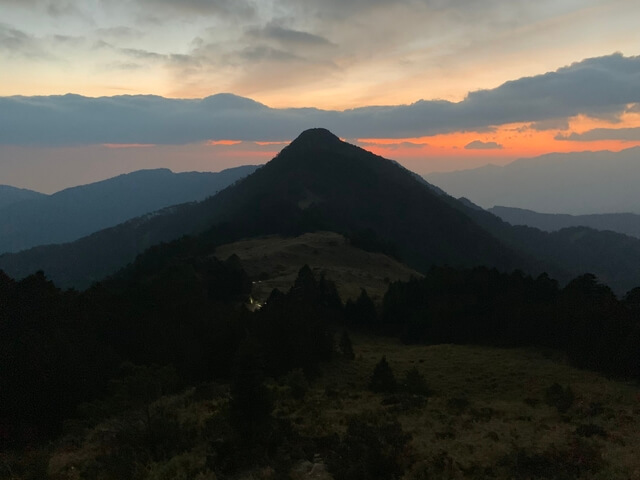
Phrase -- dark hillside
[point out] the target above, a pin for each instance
(76, 212)
(316, 183)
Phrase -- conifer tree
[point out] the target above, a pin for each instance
(383, 380)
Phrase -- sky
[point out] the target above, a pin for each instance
(93, 88)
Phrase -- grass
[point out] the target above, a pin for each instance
(486, 417)
(487, 405)
(273, 262)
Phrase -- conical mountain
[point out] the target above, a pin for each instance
(318, 182)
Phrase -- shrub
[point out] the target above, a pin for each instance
(458, 403)
(415, 383)
(590, 430)
(559, 397)
(372, 449)
(297, 383)
(383, 379)
(346, 348)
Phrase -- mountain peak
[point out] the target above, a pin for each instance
(315, 136)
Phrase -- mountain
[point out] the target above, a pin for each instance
(625, 223)
(75, 212)
(319, 183)
(10, 195)
(573, 183)
(316, 183)
(613, 257)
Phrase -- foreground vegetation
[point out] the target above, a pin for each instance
(162, 372)
(487, 413)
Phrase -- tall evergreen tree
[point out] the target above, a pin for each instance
(383, 379)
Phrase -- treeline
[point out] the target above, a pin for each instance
(483, 306)
(61, 348)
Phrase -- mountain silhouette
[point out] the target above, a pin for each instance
(320, 183)
(625, 223)
(578, 183)
(10, 195)
(316, 183)
(78, 211)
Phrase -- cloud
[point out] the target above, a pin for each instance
(389, 145)
(552, 124)
(120, 32)
(14, 42)
(624, 134)
(288, 37)
(590, 87)
(480, 145)
(195, 8)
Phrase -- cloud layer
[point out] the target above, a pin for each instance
(594, 87)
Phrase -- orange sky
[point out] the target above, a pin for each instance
(517, 140)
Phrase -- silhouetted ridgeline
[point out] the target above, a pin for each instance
(321, 183)
(75, 212)
(578, 183)
(10, 195)
(625, 223)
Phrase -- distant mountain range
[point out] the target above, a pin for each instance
(319, 183)
(10, 195)
(572, 183)
(626, 223)
(33, 219)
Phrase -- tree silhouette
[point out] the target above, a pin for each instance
(383, 380)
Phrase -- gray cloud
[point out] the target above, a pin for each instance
(15, 42)
(552, 124)
(225, 8)
(288, 37)
(624, 134)
(120, 33)
(391, 146)
(589, 87)
(480, 145)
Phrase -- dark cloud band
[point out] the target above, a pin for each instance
(594, 87)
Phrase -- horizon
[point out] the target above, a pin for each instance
(93, 90)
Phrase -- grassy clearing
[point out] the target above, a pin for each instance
(274, 263)
(488, 412)
(487, 417)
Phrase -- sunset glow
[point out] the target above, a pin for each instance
(437, 86)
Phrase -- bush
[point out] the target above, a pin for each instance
(590, 430)
(561, 464)
(297, 383)
(372, 449)
(346, 348)
(383, 380)
(458, 403)
(415, 383)
(559, 397)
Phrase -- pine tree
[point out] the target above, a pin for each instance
(383, 379)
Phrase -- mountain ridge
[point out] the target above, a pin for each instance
(319, 183)
(315, 183)
(624, 223)
(77, 211)
(578, 183)
(10, 195)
